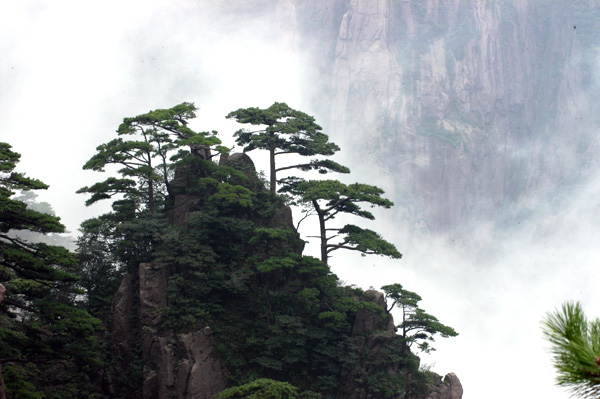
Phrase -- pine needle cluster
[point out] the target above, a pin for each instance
(575, 345)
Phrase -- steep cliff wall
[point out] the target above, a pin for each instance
(465, 108)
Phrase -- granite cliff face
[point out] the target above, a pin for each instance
(465, 108)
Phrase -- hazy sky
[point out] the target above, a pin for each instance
(70, 71)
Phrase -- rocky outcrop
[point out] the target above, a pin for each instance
(243, 163)
(449, 388)
(377, 346)
(181, 364)
(161, 363)
(123, 307)
(367, 322)
(200, 374)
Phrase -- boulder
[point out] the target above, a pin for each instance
(368, 322)
(240, 161)
(449, 388)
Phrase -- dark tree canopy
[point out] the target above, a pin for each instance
(331, 198)
(262, 388)
(144, 151)
(42, 333)
(416, 325)
(284, 130)
(19, 257)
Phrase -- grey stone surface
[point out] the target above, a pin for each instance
(449, 388)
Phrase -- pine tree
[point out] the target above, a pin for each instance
(144, 148)
(286, 131)
(575, 346)
(331, 198)
(416, 323)
(47, 344)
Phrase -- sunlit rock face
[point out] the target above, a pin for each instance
(466, 108)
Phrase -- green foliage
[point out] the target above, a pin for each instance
(100, 266)
(17, 379)
(310, 395)
(416, 326)
(206, 265)
(262, 388)
(575, 345)
(388, 371)
(330, 198)
(400, 296)
(286, 131)
(232, 195)
(143, 150)
(47, 345)
(366, 241)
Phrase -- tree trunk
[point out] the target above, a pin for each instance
(323, 232)
(150, 195)
(405, 345)
(273, 182)
(150, 185)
